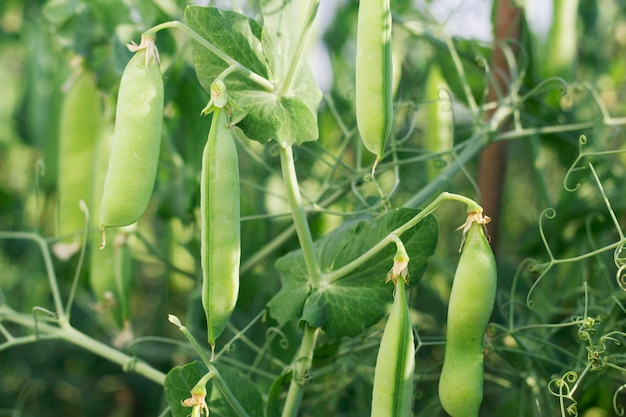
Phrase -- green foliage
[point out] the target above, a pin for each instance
(317, 226)
(181, 379)
(352, 302)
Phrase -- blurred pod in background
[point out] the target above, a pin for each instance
(78, 131)
(110, 268)
(437, 119)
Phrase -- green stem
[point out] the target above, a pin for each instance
(128, 363)
(464, 82)
(304, 35)
(337, 274)
(73, 336)
(251, 75)
(475, 144)
(45, 252)
(300, 376)
(299, 216)
(304, 358)
(194, 343)
(226, 392)
(221, 384)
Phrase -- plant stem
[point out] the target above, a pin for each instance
(128, 363)
(73, 336)
(472, 206)
(300, 376)
(297, 56)
(299, 216)
(226, 392)
(45, 252)
(304, 357)
(251, 75)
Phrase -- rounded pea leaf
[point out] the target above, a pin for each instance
(288, 116)
(349, 305)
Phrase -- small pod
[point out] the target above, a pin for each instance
(392, 395)
(136, 144)
(471, 302)
(78, 132)
(439, 119)
(110, 268)
(374, 74)
(220, 229)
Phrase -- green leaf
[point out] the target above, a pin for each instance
(359, 299)
(286, 120)
(235, 34)
(288, 116)
(280, 35)
(274, 402)
(181, 379)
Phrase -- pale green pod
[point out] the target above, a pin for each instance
(79, 128)
(438, 118)
(374, 74)
(392, 395)
(110, 268)
(220, 229)
(137, 140)
(471, 302)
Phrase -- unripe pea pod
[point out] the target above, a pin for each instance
(79, 128)
(471, 302)
(374, 75)
(111, 267)
(137, 139)
(220, 230)
(392, 395)
(439, 118)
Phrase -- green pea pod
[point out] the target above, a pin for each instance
(110, 267)
(558, 57)
(471, 302)
(79, 127)
(374, 74)
(439, 118)
(220, 239)
(392, 395)
(137, 140)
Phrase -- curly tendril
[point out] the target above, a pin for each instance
(620, 276)
(595, 356)
(283, 340)
(586, 330)
(619, 256)
(562, 389)
(582, 141)
(543, 268)
(619, 409)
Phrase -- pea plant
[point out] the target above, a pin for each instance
(192, 226)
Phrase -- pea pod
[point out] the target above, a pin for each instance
(439, 118)
(220, 240)
(374, 75)
(109, 268)
(134, 158)
(79, 127)
(471, 302)
(393, 379)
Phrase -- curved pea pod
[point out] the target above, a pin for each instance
(471, 302)
(110, 268)
(220, 230)
(392, 395)
(374, 74)
(79, 128)
(134, 158)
